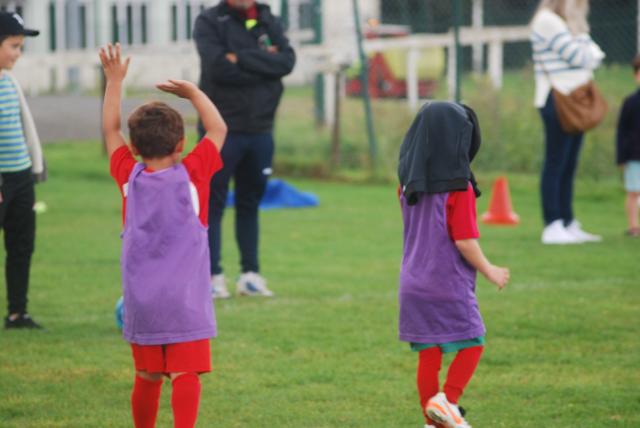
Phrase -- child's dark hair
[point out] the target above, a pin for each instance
(3, 38)
(155, 130)
(636, 64)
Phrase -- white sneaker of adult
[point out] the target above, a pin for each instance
(556, 234)
(439, 410)
(575, 228)
(252, 284)
(219, 287)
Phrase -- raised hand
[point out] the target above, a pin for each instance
(181, 88)
(114, 68)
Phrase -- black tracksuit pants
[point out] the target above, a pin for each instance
(247, 159)
(18, 223)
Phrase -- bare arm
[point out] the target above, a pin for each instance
(213, 123)
(472, 253)
(115, 71)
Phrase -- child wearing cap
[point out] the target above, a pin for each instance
(168, 317)
(21, 164)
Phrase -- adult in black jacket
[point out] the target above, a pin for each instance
(244, 54)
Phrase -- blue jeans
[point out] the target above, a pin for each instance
(558, 171)
(247, 158)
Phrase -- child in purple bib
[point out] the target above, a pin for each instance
(438, 308)
(169, 316)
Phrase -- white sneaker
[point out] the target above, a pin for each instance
(575, 228)
(219, 287)
(252, 284)
(442, 412)
(429, 426)
(556, 233)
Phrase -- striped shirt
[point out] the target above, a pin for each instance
(14, 155)
(561, 59)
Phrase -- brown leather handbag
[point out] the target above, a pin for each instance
(582, 109)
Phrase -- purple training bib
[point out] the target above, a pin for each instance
(165, 261)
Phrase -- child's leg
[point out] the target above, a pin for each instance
(427, 377)
(462, 368)
(185, 399)
(632, 209)
(19, 224)
(145, 398)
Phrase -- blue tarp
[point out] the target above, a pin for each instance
(280, 194)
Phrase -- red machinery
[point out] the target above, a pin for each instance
(382, 81)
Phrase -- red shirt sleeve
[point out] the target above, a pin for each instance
(121, 165)
(201, 164)
(461, 215)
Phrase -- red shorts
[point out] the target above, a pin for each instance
(190, 357)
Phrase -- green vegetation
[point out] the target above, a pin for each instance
(511, 127)
(562, 348)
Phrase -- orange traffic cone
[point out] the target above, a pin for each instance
(500, 210)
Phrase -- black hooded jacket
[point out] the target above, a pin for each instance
(437, 150)
(247, 93)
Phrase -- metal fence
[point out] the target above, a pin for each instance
(477, 51)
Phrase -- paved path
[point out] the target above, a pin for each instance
(77, 117)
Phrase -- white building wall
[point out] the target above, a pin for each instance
(40, 70)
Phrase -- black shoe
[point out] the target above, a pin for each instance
(22, 321)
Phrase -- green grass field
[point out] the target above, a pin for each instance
(562, 344)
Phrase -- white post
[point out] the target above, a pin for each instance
(294, 18)
(412, 78)
(35, 18)
(182, 20)
(121, 14)
(92, 31)
(136, 25)
(61, 43)
(495, 63)
(477, 17)
(72, 30)
(329, 98)
(101, 15)
(159, 22)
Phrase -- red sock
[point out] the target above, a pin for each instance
(144, 402)
(462, 368)
(185, 399)
(428, 369)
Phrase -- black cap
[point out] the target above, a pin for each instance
(12, 24)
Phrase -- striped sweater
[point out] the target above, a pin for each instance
(561, 59)
(14, 155)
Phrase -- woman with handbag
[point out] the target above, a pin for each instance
(564, 57)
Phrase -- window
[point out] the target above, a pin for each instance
(52, 27)
(129, 24)
(115, 29)
(174, 22)
(307, 16)
(82, 15)
(143, 18)
(189, 21)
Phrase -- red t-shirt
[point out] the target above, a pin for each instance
(203, 161)
(461, 215)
